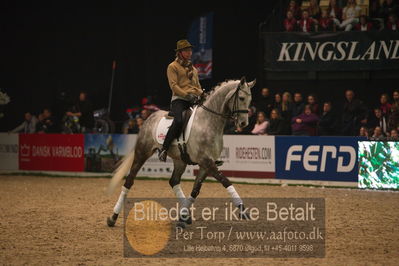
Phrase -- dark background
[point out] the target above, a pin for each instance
(67, 46)
(47, 49)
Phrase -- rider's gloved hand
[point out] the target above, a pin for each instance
(191, 97)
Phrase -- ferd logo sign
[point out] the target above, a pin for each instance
(317, 158)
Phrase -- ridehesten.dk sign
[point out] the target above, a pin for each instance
(51, 152)
(317, 158)
(331, 51)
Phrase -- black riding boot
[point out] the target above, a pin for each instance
(177, 108)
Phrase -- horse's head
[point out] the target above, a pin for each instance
(240, 101)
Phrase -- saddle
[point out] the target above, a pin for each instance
(163, 127)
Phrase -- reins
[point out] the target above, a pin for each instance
(234, 110)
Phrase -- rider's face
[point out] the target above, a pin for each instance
(187, 53)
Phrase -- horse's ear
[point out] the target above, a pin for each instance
(252, 83)
(243, 80)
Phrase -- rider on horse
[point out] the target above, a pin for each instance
(184, 82)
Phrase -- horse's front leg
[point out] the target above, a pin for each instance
(178, 169)
(237, 201)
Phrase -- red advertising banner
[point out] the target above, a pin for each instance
(54, 152)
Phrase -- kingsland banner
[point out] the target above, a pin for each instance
(371, 50)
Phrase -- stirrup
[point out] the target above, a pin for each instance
(162, 155)
(219, 163)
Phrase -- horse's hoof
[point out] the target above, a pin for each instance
(110, 222)
(181, 225)
(244, 216)
(186, 219)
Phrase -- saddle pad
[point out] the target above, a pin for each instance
(164, 124)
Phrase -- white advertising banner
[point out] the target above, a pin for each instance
(9, 151)
(248, 156)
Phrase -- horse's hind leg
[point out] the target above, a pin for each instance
(185, 216)
(141, 155)
(178, 169)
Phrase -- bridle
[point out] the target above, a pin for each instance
(233, 114)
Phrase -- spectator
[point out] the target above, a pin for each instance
(363, 132)
(46, 122)
(325, 22)
(298, 105)
(139, 122)
(334, 12)
(265, 102)
(363, 24)
(378, 134)
(394, 134)
(312, 101)
(374, 8)
(350, 15)
(261, 125)
(145, 113)
(294, 8)
(251, 122)
(290, 22)
(28, 125)
(305, 123)
(306, 24)
(385, 105)
(131, 127)
(328, 121)
(146, 103)
(388, 7)
(277, 101)
(230, 127)
(354, 114)
(83, 109)
(379, 120)
(286, 112)
(393, 22)
(314, 9)
(39, 124)
(393, 119)
(276, 126)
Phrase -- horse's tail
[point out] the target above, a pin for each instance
(120, 172)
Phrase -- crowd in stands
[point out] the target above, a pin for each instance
(79, 118)
(336, 15)
(278, 114)
(80, 113)
(287, 115)
(43, 123)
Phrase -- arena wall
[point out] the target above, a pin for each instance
(324, 161)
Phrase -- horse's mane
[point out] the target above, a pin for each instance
(223, 84)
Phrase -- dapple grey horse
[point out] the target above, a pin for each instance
(228, 100)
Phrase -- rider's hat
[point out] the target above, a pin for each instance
(182, 44)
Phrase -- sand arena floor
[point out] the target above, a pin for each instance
(47, 221)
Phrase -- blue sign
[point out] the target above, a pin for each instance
(317, 158)
(200, 35)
